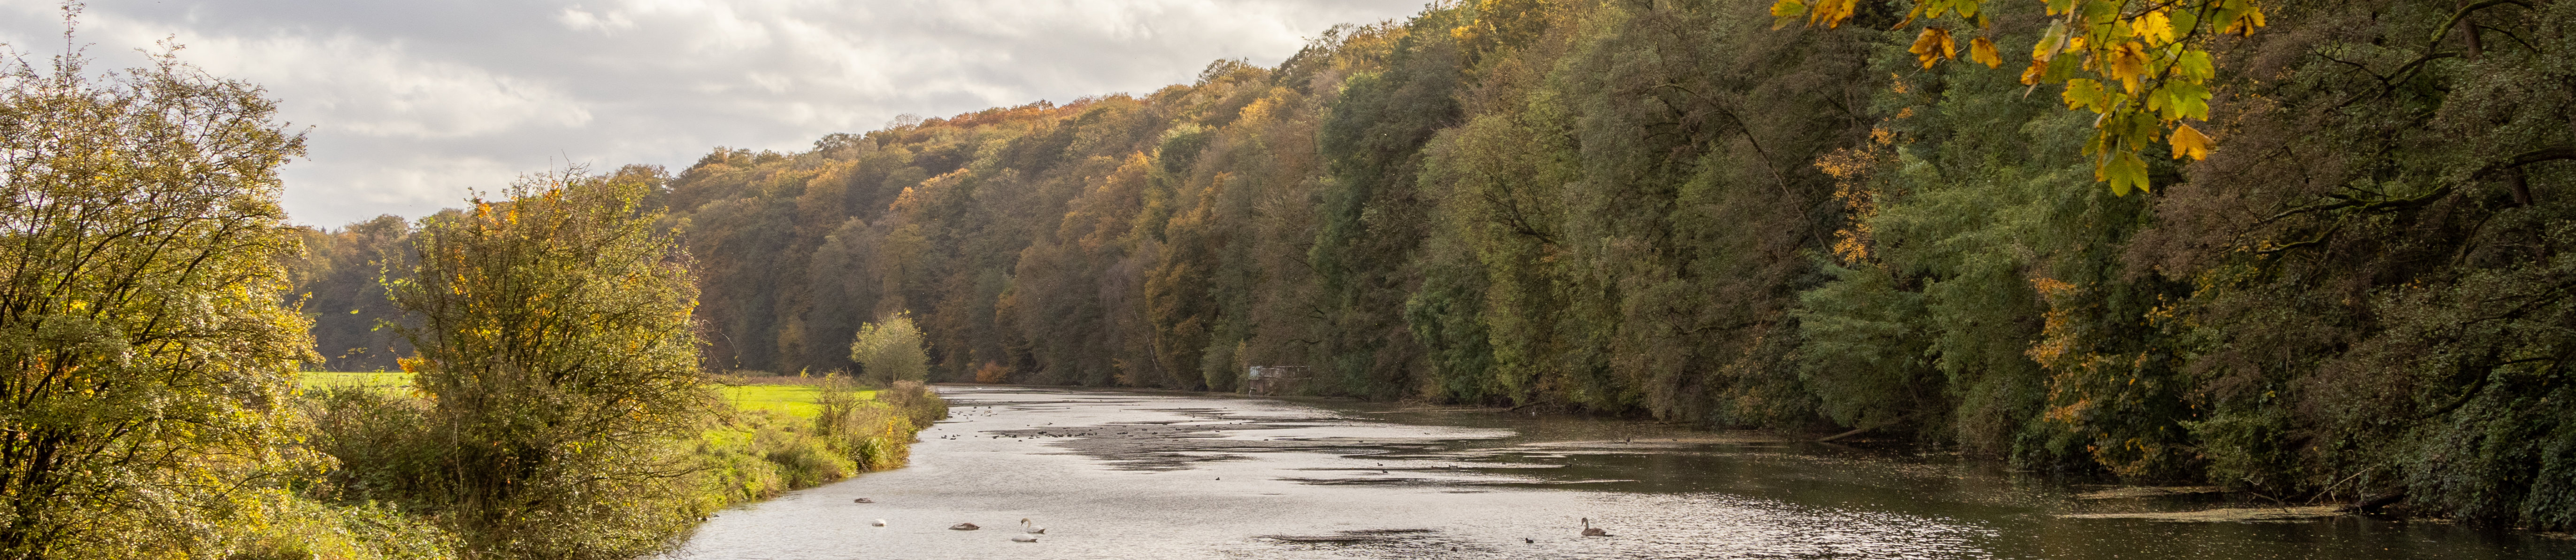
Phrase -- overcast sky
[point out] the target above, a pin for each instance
(411, 103)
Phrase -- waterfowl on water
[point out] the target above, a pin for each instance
(1591, 531)
(863, 501)
(1024, 538)
(963, 527)
(878, 523)
(1025, 527)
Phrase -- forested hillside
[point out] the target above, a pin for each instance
(1696, 211)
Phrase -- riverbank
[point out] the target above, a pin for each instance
(754, 441)
(769, 435)
(774, 438)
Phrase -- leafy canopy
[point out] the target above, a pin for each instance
(557, 344)
(144, 353)
(2142, 66)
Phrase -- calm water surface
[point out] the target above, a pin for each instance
(1143, 475)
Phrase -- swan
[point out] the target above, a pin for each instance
(1024, 538)
(963, 527)
(878, 523)
(1591, 531)
(1025, 527)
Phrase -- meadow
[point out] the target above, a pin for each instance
(797, 397)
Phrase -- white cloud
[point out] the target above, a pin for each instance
(414, 102)
(580, 20)
(375, 88)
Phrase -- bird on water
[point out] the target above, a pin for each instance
(963, 527)
(1591, 531)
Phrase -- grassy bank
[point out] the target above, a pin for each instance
(772, 438)
(756, 441)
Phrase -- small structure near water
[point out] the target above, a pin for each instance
(1272, 380)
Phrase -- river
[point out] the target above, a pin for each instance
(1170, 475)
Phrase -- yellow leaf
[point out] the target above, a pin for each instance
(1831, 12)
(2154, 28)
(2190, 142)
(2128, 64)
(1983, 51)
(1932, 46)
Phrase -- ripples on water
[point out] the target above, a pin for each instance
(1128, 475)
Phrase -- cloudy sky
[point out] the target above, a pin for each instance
(411, 103)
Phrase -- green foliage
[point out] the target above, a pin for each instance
(560, 369)
(889, 350)
(147, 360)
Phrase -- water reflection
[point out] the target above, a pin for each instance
(1129, 475)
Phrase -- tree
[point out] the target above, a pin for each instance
(144, 353)
(889, 350)
(557, 345)
(2141, 65)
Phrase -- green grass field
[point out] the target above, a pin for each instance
(798, 400)
(383, 379)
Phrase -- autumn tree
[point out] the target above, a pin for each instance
(147, 357)
(557, 350)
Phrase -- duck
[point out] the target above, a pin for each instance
(963, 527)
(878, 523)
(1026, 527)
(1591, 531)
(863, 501)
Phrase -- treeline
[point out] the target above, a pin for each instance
(1674, 210)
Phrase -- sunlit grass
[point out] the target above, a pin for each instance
(797, 400)
(384, 379)
(791, 399)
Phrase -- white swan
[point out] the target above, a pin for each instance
(1591, 531)
(879, 523)
(1025, 527)
(1024, 538)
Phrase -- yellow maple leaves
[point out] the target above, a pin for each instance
(2153, 49)
(1982, 50)
(2189, 142)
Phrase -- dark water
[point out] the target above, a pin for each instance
(1130, 475)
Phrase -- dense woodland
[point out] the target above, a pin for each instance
(1695, 211)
